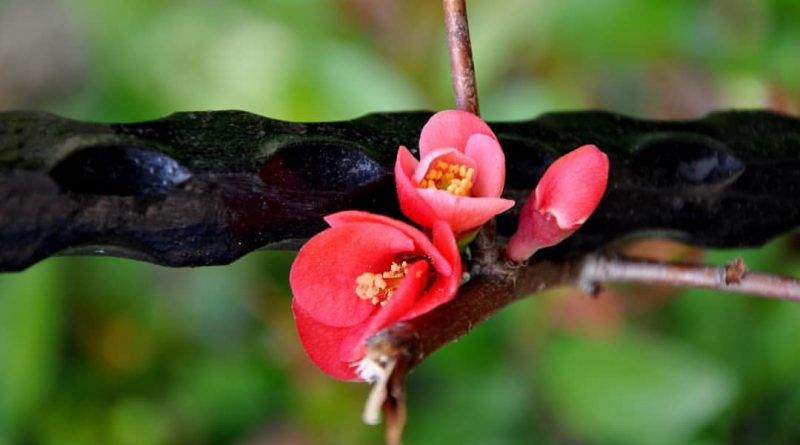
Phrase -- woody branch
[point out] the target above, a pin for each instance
(406, 344)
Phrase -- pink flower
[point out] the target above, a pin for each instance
(362, 274)
(460, 176)
(566, 196)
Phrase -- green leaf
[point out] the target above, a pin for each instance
(633, 389)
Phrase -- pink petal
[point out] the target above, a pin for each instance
(573, 185)
(444, 288)
(410, 290)
(323, 276)
(407, 162)
(462, 212)
(449, 155)
(450, 129)
(536, 230)
(411, 204)
(321, 343)
(442, 264)
(491, 161)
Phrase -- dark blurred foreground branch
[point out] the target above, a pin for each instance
(403, 346)
(206, 188)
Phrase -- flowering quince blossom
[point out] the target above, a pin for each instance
(459, 177)
(362, 274)
(565, 197)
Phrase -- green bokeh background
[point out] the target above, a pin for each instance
(116, 352)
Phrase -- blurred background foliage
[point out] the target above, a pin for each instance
(101, 350)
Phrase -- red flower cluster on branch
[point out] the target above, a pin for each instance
(369, 271)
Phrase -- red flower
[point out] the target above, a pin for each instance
(460, 176)
(362, 274)
(567, 194)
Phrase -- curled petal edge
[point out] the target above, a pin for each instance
(451, 128)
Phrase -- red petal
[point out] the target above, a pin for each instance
(410, 290)
(321, 343)
(463, 212)
(491, 172)
(445, 287)
(414, 207)
(421, 242)
(323, 276)
(450, 129)
(573, 185)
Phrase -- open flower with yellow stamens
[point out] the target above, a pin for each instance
(459, 177)
(362, 274)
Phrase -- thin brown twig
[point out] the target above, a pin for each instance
(461, 65)
(732, 277)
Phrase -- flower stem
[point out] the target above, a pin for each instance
(461, 66)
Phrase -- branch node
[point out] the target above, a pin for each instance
(488, 258)
(735, 271)
(594, 266)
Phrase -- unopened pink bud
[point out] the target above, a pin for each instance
(565, 197)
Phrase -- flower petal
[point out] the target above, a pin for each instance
(321, 343)
(402, 300)
(573, 185)
(444, 288)
(536, 230)
(450, 128)
(422, 245)
(491, 161)
(414, 207)
(323, 276)
(462, 212)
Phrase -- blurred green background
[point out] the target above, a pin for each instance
(110, 351)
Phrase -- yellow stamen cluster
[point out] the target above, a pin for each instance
(379, 287)
(454, 178)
